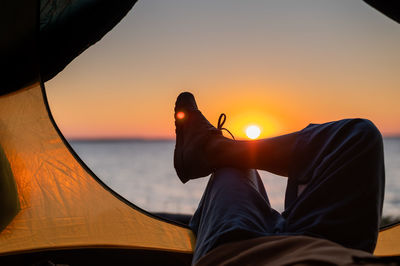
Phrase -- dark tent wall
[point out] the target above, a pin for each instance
(390, 8)
(18, 44)
(68, 27)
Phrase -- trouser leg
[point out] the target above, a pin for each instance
(234, 207)
(336, 183)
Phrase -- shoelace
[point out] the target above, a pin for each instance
(221, 122)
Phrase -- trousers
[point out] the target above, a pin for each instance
(335, 191)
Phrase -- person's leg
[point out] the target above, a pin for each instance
(340, 167)
(336, 183)
(340, 164)
(234, 207)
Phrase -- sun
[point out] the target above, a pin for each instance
(253, 132)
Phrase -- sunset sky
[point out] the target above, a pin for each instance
(278, 64)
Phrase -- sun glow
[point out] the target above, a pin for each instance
(253, 132)
(239, 121)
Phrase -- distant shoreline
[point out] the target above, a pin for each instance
(103, 140)
(77, 140)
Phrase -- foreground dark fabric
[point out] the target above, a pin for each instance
(335, 192)
(293, 250)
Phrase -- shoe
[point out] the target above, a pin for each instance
(195, 139)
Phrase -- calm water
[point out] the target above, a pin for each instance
(143, 173)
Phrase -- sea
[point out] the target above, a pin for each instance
(142, 172)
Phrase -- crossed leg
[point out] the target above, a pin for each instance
(341, 168)
(335, 188)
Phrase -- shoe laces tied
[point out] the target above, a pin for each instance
(221, 122)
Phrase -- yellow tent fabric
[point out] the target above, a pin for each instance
(388, 241)
(62, 204)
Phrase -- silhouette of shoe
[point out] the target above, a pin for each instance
(195, 138)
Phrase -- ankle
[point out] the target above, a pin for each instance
(226, 152)
(216, 151)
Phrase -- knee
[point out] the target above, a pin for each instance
(367, 137)
(368, 143)
(365, 129)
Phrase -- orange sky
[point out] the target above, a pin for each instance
(278, 64)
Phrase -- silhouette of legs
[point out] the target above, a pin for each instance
(335, 188)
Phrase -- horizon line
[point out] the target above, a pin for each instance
(146, 139)
(114, 139)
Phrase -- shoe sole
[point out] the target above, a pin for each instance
(178, 164)
(178, 157)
